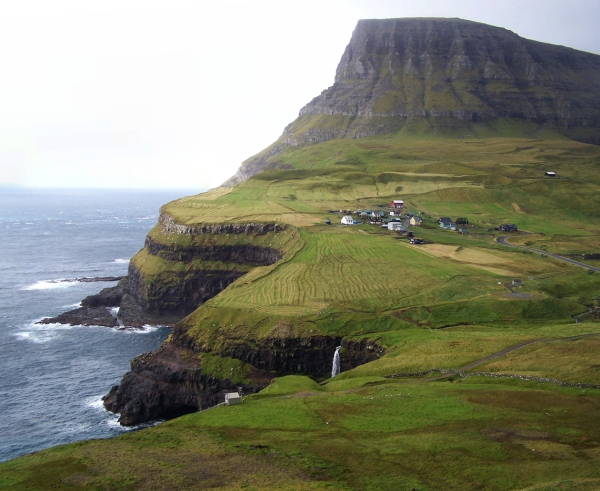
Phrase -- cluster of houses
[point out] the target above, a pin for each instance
(394, 220)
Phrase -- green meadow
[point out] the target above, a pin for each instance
(367, 434)
(446, 304)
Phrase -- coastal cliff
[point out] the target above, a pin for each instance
(170, 278)
(173, 275)
(176, 379)
(260, 283)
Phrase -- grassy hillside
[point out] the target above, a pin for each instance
(366, 433)
(443, 305)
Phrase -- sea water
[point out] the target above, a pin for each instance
(52, 377)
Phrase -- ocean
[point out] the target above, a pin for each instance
(52, 377)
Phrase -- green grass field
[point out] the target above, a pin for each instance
(366, 434)
(442, 305)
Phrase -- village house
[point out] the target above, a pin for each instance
(347, 220)
(462, 221)
(508, 227)
(395, 226)
(397, 203)
(550, 173)
(447, 223)
(415, 220)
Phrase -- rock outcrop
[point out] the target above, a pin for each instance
(170, 382)
(84, 316)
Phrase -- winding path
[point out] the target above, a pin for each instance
(502, 240)
(508, 350)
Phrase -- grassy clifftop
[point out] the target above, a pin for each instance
(365, 270)
(442, 305)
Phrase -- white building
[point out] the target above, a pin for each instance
(395, 226)
(232, 398)
(347, 220)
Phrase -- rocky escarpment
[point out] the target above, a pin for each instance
(171, 381)
(169, 226)
(170, 296)
(162, 384)
(169, 293)
(443, 74)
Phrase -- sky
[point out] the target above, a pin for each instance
(177, 94)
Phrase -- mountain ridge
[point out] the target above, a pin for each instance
(444, 75)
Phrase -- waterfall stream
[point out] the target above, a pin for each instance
(335, 369)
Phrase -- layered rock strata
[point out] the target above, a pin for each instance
(170, 382)
(444, 74)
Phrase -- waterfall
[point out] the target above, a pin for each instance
(335, 369)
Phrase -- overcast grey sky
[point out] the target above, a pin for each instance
(177, 94)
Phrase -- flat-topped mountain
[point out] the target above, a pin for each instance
(450, 77)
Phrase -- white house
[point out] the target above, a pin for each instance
(232, 398)
(347, 220)
(395, 226)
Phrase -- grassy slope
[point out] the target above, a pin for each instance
(364, 282)
(396, 435)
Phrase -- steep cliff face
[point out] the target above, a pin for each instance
(444, 74)
(170, 278)
(172, 381)
(460, 69)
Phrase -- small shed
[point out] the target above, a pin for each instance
(550, 173)
(347, 220)
(516, 282)
(232, 398)
(462, 221)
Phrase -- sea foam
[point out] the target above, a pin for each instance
(50, 284)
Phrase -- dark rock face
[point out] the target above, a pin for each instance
(170, 300)
(108, 297)
(165, 384)
(170, 226)
(169, 297)
(451, 68)
(242, 253)
(84, 316)
(162, 385)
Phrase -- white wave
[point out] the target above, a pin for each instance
(146, 329)
(72, 306)
(95, 402)
(121, 261)
(114, 311)
(41, 333)
(50, 284)
(35, 337)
